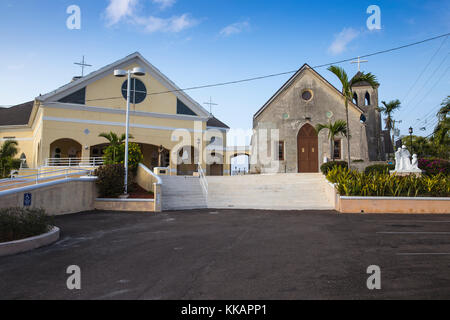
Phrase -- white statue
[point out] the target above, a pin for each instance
(403, 162)
(398, 160)
(415, 163)
(406, 161)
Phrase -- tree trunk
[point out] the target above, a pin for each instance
(332, 148)
(348, 133)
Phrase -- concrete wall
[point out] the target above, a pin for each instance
(57, 198)
(131, 205)
(394, 205)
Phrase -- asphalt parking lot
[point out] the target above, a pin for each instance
(236, 254)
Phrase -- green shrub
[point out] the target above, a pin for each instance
(329, 165)
(379, 168)
(114, 155)
(18, 223)
(354, 183)
(110, 180)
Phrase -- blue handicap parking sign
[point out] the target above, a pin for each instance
(27, 199)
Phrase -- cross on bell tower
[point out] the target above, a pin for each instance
(359, 61)
(210, 104)
(82, 64)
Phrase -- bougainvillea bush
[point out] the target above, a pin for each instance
(434, 166)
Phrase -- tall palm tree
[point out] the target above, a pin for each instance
(445, 110)
(347, 86)
(114, 140)
(388, 109)
(334, 129)
(8, 150)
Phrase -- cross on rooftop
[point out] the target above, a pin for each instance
(359, 61)
(82, 64)
(210, 104)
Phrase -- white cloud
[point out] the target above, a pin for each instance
(163, 4)
(174, 24)
(125, 10)
(119, 9)
(342, 39)
(234, 28)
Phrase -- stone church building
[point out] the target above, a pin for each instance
(284, 138)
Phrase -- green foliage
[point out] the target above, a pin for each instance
(326, 167)
(8, 151)
(110, 180)
(18, 223)
(380, 168)
(376, 184)
(117, 156)
(114, 144)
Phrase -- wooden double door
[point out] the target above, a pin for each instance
(307, 148)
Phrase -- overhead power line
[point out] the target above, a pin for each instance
(286, 72)
(424, 69)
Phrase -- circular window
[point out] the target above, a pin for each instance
(138, 91)
(307, 95)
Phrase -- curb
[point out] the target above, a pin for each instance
(23, 245)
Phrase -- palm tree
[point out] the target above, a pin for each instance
(334, 129)
(445, 110)
(7, 151)
(348, 94)
(388, 109)
(114, 140)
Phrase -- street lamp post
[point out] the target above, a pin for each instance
(119, 73)
(410, 138)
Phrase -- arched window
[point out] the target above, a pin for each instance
(367, 99)
(355, 98)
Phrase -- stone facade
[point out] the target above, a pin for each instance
(290, 109)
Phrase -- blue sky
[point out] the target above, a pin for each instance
(199, 42)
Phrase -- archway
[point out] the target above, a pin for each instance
(186, 162)
(65, 152)
(307, 149)
(239, 164)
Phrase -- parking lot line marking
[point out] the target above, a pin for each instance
(424, 254)
(412, 232)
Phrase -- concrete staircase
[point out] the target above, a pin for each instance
(272, 192)
(182, 193)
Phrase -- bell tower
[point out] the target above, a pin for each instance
(366, 97)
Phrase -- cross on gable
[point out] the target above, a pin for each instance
(82, 64)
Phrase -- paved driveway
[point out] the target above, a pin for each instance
(232, 254)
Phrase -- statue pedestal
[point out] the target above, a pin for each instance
(417, 173)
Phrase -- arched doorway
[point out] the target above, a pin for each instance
(65, 152)
(307, 149)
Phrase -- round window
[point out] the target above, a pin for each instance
(138, 91)
(307, 95)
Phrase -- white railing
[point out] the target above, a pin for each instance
(42, 175)
(74, 162)
(203, 180)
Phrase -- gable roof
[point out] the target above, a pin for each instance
(132, 58)
(292, 79)
(16, 115)
(216, 123)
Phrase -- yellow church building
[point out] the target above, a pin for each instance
(62, 127)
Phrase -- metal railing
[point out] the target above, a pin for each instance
(74, 162)
(203, 181)
(42, 175)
